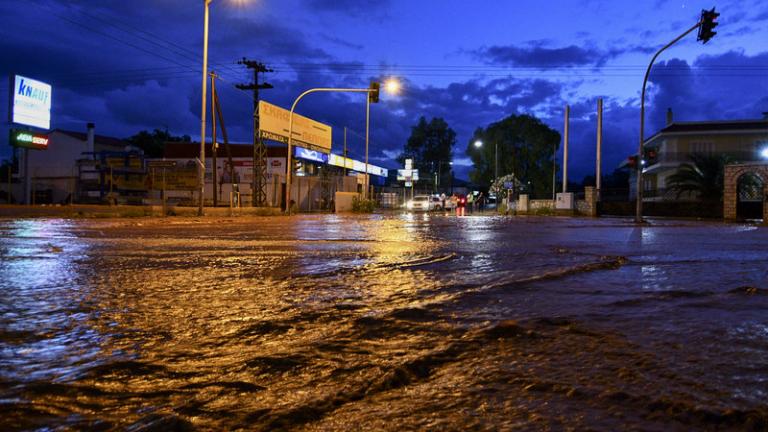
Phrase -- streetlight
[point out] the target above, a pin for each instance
(764, 153)
(706, 24)
(201, 167)
(374, 89)
(479, 144)
(439, 175)
(201, 162)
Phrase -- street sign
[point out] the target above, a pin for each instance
(30, 140)
(407, 175)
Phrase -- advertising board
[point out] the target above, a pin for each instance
(26, 139)
(274, 123)
(312, 155)
(30, 102)
(341, 161)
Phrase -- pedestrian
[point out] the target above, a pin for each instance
(461, 201)
(481, 201)
(442, 199)
(470, 201)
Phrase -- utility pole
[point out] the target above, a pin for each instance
(345, 151)
(213, 141)
(259, 185)
(599, 162)
(565, 148)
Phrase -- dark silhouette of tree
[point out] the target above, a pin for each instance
(526, 148)
(702, 177)
(431, 148)
(153, 143)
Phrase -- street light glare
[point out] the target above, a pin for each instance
(764, 153)
(392, 86)
(478, 143)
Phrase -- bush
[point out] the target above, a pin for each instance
(360, 205)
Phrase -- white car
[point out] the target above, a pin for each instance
(422, 203)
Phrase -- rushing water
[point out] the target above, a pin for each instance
(409, 322)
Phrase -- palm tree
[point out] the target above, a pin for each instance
(702, 177)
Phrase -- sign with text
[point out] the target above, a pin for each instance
(275, 121)
(31, 102)
(341, 161)
(31, 140)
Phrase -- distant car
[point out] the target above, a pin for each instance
(421, 203)
(437, 203)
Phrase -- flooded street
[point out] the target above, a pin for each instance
(400, 322)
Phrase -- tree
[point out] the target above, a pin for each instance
(153, 143)
(702, 177)
(526, 148)
(431, 148)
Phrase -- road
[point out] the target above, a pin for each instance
(382, 322)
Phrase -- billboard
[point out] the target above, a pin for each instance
(341, 161)
(26, 139)
(30, 102)
(275, 121)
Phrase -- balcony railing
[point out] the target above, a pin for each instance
(685, 157)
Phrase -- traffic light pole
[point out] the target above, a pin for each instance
(289, 156)
(639, 167)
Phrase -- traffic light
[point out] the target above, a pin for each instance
(373, 95)
(708, 24)
(632, 161)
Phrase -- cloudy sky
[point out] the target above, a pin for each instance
(133, 65)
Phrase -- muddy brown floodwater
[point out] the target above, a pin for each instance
(400, 322)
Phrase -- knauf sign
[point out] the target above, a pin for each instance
(31, 102)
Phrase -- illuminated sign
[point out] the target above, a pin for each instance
(312, 155)
(356, 165)
(407, 175)
(30, 140)
(31, 102)
(274, 123)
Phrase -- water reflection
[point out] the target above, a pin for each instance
(401, 322)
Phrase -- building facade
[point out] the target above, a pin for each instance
(667, 150)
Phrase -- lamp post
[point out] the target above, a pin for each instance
(479, 144)
(439, 175)
(391, 85)
(201, 167)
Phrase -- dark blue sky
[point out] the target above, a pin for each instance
(133, 65)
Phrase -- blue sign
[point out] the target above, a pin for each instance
(313, 155)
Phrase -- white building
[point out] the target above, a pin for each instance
(53, 172)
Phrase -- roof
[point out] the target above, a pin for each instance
(712, 127)
(716, 126)
(97, 139)
(189, 150)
